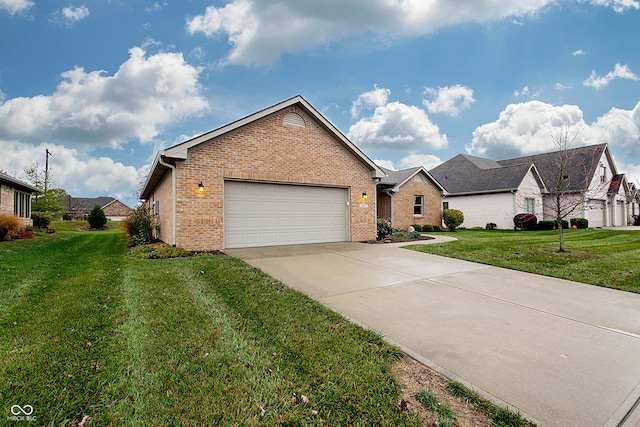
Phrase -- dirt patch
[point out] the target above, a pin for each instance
(414, 377)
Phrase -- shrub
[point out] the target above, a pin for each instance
(546, 225)
(139, 226)
(96, 217)
(415, 235)
(41, 219)
(158, 251)
(452, 218)
(476, 228)
(525, 221)
(637, 220)
(564, 222)
(384, 228)
(582, 223)
(417, 227)
(490, 226)
(436, 228)
(427, 228)
(10, 227)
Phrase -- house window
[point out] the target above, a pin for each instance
(445, 206)
(529, 206)
(418, 205)
(22, 204)
(603, 174)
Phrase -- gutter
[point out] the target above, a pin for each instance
(174, 185)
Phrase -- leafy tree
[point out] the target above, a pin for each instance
(97, 218)
(49, 199)
(452, 218)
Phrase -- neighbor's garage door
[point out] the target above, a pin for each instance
(258, 214)
(595, 213)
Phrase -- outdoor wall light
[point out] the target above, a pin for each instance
(364, 196)
(201, 187)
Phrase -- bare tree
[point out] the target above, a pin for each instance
(567, 174)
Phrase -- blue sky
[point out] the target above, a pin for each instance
(104, 84)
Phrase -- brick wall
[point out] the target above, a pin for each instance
(6, 199)
(402, 201)
(117, 208)
(384, 205)
(264, 150)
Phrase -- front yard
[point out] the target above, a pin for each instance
(609, 258)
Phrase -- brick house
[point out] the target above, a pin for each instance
(15, 198)
(410, 196)
(80, 207)
(283, 175)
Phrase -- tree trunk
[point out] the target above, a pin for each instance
(560, 235)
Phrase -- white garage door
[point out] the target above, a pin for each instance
(595, 213)
(258, 214)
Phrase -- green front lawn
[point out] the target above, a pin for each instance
(86, 330)
(609, 258)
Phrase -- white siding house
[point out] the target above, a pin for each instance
(495, 191)
(488, 192)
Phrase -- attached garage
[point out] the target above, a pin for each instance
(264, 214)
(284, 175)
(594, 212)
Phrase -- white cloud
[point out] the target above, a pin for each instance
(374, 98)
(428, 161)
(620, 128)
(15, 6)
(146, 93)
(80, 175)
(75, 14)
(449, 100)
(260, 31)
(397, 126)
(524, 92)
(523, 129)
(156, 7)
(579, 52)
(385, 164)
(619, 6)
(526, 128)
(619, 72)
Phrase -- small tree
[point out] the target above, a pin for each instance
(140, 225)
(96, 217)
(452, 218)
(48, 200)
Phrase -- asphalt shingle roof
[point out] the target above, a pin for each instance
(469, 174)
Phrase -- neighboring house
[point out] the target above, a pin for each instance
(633, 203)
(80, 207)
(592, 179)
(409, 196)
(495, 191)
(488, 192)
(15, 198)
(283, 175)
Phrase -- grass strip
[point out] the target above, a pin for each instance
(499, 416)
(203, 340)
(605, 258)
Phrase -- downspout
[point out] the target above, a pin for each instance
(390, 193)
(174, 185)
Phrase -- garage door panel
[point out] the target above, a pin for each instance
(258, 214)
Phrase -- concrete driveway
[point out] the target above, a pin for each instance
(562, 353)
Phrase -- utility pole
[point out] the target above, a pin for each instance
(46, 170)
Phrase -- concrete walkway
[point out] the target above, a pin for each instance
(562, 353)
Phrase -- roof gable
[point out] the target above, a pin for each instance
(396, 179)
(580, 165)
(180, 151)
